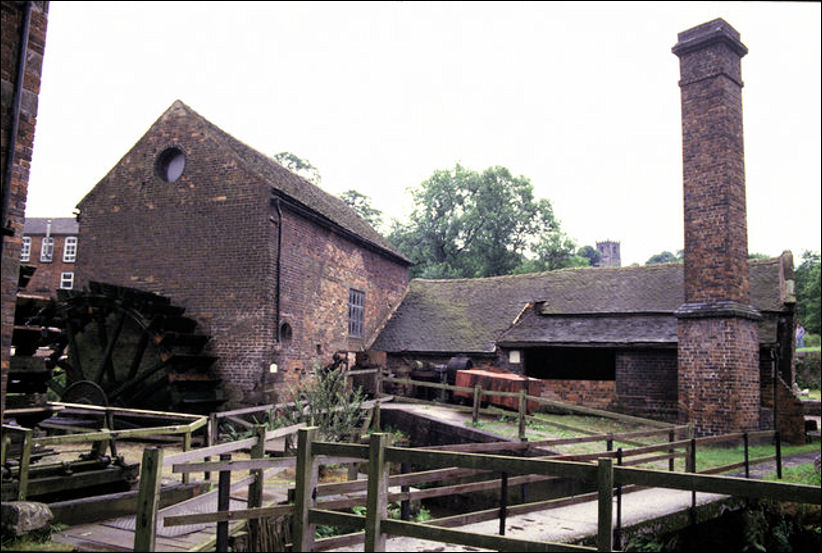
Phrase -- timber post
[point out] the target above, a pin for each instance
(605, 483)
(377, 499)
(25, 463)
(255, 488)
(376, 417)
(145, 522)
(223, 503)
(304, 490)
(475, 408)
(186, 447)
(522, 411)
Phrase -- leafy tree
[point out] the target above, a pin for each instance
(665, 257)
(591, 254)
(299, 166)
(362, 205)
(470, 224)
(808, 292)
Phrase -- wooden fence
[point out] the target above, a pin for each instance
(309, 509)
(105, 437)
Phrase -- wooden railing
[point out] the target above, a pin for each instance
(105, 437)
(309, 509)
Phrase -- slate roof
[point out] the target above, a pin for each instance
(59, 225)
(628, 305)
(298, 188)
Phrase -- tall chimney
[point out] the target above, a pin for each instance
(718, 351)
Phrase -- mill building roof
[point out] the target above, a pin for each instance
(608, 306)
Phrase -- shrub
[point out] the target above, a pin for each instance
(808, 368)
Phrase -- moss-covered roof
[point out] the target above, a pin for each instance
(608, 305)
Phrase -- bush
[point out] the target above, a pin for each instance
(808, 368)
(329, 403)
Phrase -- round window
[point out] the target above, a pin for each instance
(170, 164)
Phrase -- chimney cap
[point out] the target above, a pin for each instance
(707, 34)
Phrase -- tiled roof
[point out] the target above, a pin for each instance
(297, 188)
(471, 315)
(59, 225)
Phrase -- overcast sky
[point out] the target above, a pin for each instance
(580, 98)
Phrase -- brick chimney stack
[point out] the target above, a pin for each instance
(718, 352)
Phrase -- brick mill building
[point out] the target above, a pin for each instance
(282, 275)
(49, 246)
(697, 342)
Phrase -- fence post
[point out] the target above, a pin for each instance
(692, 468)
(747, 458)
(255, 488)
(522, 411)
(211, 439)
(376, 417)
(304, 489)
(186, 447)
(778, 454)
(405, 505)
(223, 502)
(503, 502)
(476, 406)
(377, 499)
(605, 483)
(145, 522)
(671, 438)
(618, 530)
(110, 424)
(25, 462)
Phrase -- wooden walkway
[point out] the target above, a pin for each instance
(118, 534)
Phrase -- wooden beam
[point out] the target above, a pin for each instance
(145, 533)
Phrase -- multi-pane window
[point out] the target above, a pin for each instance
(70, 249)
(47, 249)
(25, 249)
(66, 281)
(356, 312)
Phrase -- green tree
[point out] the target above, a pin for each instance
(591, 254)
(299, 166)
(665, 257)
(808, 292)
(362, 205)
(470, 224)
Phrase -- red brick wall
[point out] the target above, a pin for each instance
(207, 241)
(646, 384)
(598, 394)
(46, 278)
(718, 375)
(17, 189)
(716, 239)
(718, 350)
(318, 269)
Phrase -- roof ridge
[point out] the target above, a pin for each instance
(242, 150)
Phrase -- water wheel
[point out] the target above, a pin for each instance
(131, 349)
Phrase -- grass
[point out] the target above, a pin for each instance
(802, 474)
(710, 457)
(815, 394)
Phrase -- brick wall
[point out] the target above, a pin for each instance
(718, 375)
(598, 394)
(200, 240)
(207, 241)
(718, 349)
(646, 384)
(16, 189)
(318, 268)
(46, 278)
